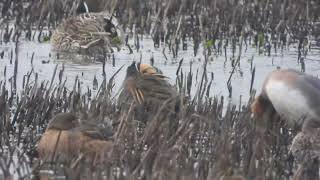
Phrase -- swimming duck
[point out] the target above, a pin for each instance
(293, 95)
(89, 32)
(66, 138)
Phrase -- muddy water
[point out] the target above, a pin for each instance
(45, 60)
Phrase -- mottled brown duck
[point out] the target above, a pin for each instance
(88, 33)
(66, 138)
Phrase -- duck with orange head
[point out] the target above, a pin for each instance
(148, 90)
(145, 83)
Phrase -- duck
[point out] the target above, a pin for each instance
(305, 148)
(148, 92)
(65, 138)
(88, 32)
(145, 84)
(293, 95)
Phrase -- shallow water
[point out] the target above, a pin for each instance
(45, 60)
(43, 53)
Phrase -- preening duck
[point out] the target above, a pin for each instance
(294, 95)
(146, 84)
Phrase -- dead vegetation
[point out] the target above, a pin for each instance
(205, 139)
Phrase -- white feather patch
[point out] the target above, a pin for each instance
(290, 103)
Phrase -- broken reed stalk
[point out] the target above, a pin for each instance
(252, 79)
(16, 64)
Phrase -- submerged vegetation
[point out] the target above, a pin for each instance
(203, 138)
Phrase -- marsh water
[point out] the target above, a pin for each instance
(42, 58)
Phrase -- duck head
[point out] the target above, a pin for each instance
(63, 121)
(263, 112)
(132, 70)
(111, 25)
